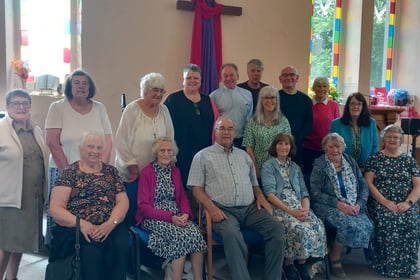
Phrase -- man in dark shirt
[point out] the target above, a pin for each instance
(297, 107)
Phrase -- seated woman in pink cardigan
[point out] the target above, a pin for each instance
(163, 209)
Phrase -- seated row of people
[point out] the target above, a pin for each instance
(223, 181)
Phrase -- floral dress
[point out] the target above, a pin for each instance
(396, 240)
(304, 239)
(93, 195)
(168, 240)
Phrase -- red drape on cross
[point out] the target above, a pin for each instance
(202, 10)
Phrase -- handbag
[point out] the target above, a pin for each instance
(68, 268)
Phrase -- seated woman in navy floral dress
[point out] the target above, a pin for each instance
(283, 184)
(93, 191)
(163, 209)
(393, 179)
(339, 194)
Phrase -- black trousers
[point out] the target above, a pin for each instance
(106, 260)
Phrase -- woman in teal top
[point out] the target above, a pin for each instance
(266, 123)
(358, 129)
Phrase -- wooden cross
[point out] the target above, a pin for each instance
(226, 10)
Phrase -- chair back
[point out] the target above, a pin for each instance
(131, 189)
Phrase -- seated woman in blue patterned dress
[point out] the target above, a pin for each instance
(393, 179)
(163, 209)
(283, 184)
(339, 195)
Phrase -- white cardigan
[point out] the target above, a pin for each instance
(11, 163)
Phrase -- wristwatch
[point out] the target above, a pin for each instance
(410, 202)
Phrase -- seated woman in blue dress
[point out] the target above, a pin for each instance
(339, 195)
(163, 209)
(284, 186)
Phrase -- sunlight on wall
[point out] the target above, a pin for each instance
(45, 37)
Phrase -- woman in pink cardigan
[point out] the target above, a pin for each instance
(163, 209)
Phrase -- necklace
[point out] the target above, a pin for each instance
(154, 128)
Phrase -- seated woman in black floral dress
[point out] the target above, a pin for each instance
(393, 179)
(163, 209)
(93, 191)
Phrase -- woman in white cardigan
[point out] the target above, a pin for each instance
(23, 166)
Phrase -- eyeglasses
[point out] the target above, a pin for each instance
(158, 90)
(291, 75)
(17, 104)
(354, 104)
(268, 97)
(224, 129)
(197, 109)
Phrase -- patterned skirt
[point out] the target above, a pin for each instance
(170, 241)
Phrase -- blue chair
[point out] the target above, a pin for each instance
(251, 238)
(138, 238)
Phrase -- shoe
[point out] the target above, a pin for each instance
(336, 270)
(368, 252)
(303, 271)
(290, 272)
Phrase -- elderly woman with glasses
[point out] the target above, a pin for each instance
(23, 167)
(142, 122)
(265, 124)
(339, 194)
(164, 211)
(393, 179)
(193, 115)
(357, 128)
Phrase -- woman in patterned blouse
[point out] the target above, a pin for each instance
(266, 123)
(94, 192)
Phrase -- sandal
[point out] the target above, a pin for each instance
(337, 270)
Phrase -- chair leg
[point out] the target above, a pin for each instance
(327, 267)
(209, 262)
(136, 254)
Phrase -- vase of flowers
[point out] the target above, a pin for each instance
(21, 70)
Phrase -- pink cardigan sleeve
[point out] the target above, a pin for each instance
(146, 196)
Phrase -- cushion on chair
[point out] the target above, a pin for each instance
(143, 234)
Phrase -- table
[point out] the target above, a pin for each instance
(385, 114)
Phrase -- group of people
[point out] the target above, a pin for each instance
(275, 162)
